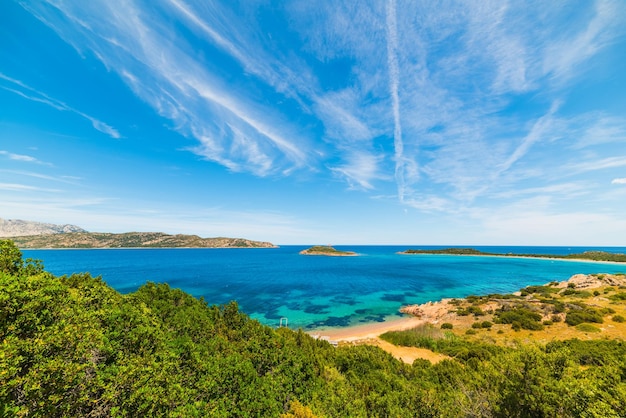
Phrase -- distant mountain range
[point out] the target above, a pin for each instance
(27, 234)
(18, 227)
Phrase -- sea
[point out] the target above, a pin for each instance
(278, 286)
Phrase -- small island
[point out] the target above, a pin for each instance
(601, 256)
(327, 250)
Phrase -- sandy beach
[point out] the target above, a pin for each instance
(368, 331)
(369, 334)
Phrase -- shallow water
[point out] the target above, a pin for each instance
(321, 292)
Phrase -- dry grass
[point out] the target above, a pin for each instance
(604, 286)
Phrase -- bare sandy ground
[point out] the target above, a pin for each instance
(369, 334)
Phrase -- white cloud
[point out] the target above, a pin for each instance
(619, 181)
(141, 46)
(435, 116)
(22, 158)
(16, 187)
(43, 98)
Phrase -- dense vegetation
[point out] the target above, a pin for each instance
(587, 255)
(72, 346)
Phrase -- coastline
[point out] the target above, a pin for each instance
(445, 310)
(577, 260)
(367, 331)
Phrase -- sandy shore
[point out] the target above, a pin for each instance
(369, 334)
(367, 331)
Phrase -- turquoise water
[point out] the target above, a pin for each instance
(321, 292)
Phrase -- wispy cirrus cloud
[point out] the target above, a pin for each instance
(22, 158)
(17, 187)
(232, 130)
(619, 181)
(29, 93)
(429, 99)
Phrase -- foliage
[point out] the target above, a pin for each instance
(72, 346)
(11, 260)
(520, 318)
(584, 327)
(588, 314)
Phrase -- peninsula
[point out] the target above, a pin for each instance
(586, 256)
(327, 250)
(133, 240)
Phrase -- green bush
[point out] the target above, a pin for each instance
(618, 318)
(584, 327)
(471, 332)
(587, 315)
(522, 317)
(446, 325)
(618, 297)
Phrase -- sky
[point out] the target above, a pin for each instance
(318, 122)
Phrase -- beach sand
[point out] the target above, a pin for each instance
(369, 334)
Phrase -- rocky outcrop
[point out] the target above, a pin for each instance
(17, 227)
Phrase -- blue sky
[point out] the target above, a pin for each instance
(333, 122)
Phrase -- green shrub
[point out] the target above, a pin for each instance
(578, 317)
(482, 325)
(587, 328)
(471, 332)
(618, 318)
(446, 325)
(618, 297)
(523, 317)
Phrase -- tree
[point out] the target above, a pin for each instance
(10, 257)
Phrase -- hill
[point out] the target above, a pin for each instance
(18, 227)
(132, 240)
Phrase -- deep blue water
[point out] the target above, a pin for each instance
(322, 292)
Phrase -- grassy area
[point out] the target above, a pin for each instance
(534, 314)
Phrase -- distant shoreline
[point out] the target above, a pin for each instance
(588, 256)
(148, 248)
